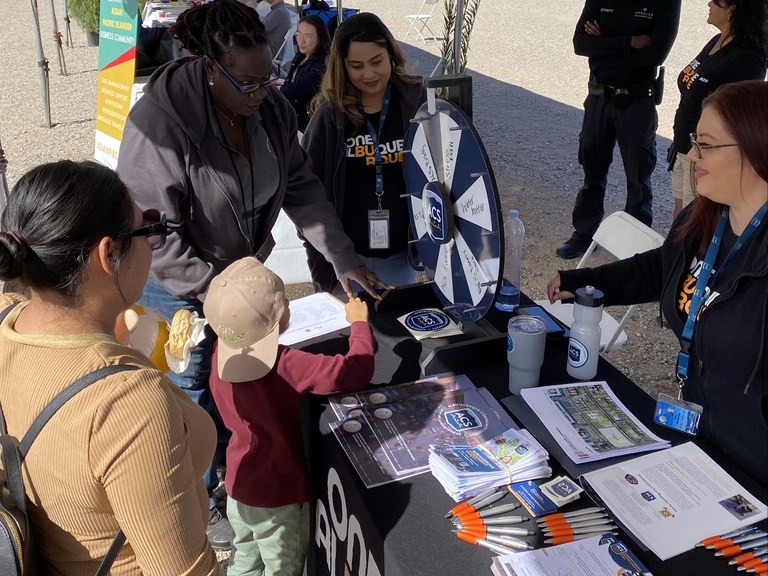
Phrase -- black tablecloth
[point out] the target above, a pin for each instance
(400, 528)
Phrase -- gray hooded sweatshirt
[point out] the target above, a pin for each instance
(172, 161)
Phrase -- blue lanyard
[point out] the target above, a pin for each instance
(375, 137)
(701, 283)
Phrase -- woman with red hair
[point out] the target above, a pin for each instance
(711, 276)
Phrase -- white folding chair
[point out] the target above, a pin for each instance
(420, 20)
(622, 236)
(284, 55)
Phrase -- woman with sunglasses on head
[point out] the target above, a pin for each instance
(718, 247)
(355, 140)
(308, 66)
(737, 53)
(118, 455)
(213, 145)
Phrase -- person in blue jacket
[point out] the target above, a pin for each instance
(308, 66)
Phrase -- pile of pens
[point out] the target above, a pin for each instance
(477, 524)
(569, 526)
(747, 547)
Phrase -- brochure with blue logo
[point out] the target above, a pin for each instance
(386, 432)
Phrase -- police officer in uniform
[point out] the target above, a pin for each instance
(625, 41)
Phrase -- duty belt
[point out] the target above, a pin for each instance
(632, 92)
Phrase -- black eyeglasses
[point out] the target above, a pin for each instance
(699, 147)
(155, 227)
(274, 76)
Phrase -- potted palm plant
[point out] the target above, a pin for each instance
(87, 12)
(447, 49)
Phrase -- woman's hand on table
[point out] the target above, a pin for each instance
(553, 290)
(366, 278)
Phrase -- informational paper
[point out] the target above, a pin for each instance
(599, 555)
(589, 422)
(673, 499)
(313, 316)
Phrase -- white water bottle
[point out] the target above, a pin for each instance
(508, 298)
(584, 344)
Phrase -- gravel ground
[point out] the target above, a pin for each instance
(528, 90)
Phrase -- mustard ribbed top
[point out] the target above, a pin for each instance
(126, 453)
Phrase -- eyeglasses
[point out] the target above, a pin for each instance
(699, 147)
(155, 228)
(274, 76)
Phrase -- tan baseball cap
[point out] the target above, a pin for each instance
(244, 306)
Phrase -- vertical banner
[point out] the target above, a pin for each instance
(117, 59)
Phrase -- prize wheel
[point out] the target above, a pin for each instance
(455, 210)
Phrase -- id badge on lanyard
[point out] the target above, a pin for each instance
(378, 229)
(378, 220)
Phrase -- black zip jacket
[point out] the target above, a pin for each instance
(301, 85)
(728, 368)
(325, 143)
(612, 60)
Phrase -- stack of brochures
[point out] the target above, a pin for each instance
(464, 471)
(386, 431)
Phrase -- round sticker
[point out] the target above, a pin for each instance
(377, 398)
(427, 320)
(382, 413)
(352, 426)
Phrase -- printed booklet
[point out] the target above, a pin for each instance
(386, 432)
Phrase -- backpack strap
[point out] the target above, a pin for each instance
(13, 455)
(3, 314)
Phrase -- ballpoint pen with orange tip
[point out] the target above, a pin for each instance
(492, 521)
(498, 548)
(607, 527)
(508, 541)
(754, 563)
(481, 532)
(751, 555)
(578, 521)
(567, 515)
(489, 512)
(564, 539)
(469, 505)
(747, 537)
(739, 548)
(733, 534)
(577, 525)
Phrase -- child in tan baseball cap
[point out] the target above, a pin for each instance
(257, 385)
